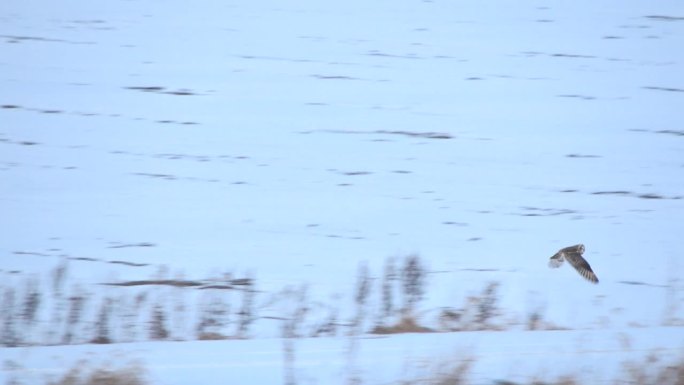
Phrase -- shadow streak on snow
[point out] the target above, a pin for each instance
(91, 114)
(667, 89)
(231, 284)
(626, 193)
(543, 212)
(20, 39)
(635, 195)
(639, 283)
(413, 134)
(163, 90)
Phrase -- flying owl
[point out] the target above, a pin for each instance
(574, 255)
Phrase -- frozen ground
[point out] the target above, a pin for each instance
(593, 357)
(292, 142)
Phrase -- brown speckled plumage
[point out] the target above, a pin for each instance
(574, 255)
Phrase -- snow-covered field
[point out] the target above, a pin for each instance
(593, 357)
(294, 142)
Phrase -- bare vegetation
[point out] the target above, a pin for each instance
(246, 314)
(56, 310)
(213, 317)
(654, 369)
(102, 324)
(158, 321)
(412, 278)
(406, 324)
(10, 335)
(84, 374)
(384, 304)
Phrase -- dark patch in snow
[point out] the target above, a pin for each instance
(160, 282)
(652, 196)
(572, 56)
(543, 212)
(157, 176)
(355, 238)
(636, 195)
(96, 114)
(139, 244)
(162, 90)
(334, 77)
(583, 97)
(399, 56)
(128, 263)
(19, 39)
(668, 89)
(481, 270)
(217, 287)
(86, 259)
(616, 192)
(355, 173)
(427, 135)
(198, 158)
(568, 56)
(416, 134)
(230, 284)
(241, 282)
(634, 26)
(664, 18)
(31, 253)
(639, 283)
(671, 132)
(581, 156)
(180, 156)
(146, 88)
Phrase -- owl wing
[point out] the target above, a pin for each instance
(574, 256)
(556, 260)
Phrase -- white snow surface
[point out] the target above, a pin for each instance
(595, 357)
(293, 141)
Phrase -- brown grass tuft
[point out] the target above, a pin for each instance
(211, 336)
(79, 374)
(407, 324)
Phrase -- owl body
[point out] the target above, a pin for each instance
(574, 256)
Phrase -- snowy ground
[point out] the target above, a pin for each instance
(592, 357)
(292, 142)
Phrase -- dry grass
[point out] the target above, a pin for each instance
(653, 371)
(562, 380)
(82, 374)
(455, 374)
(210, 336)
(407, 324)
(650, 371)
(445, 372)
